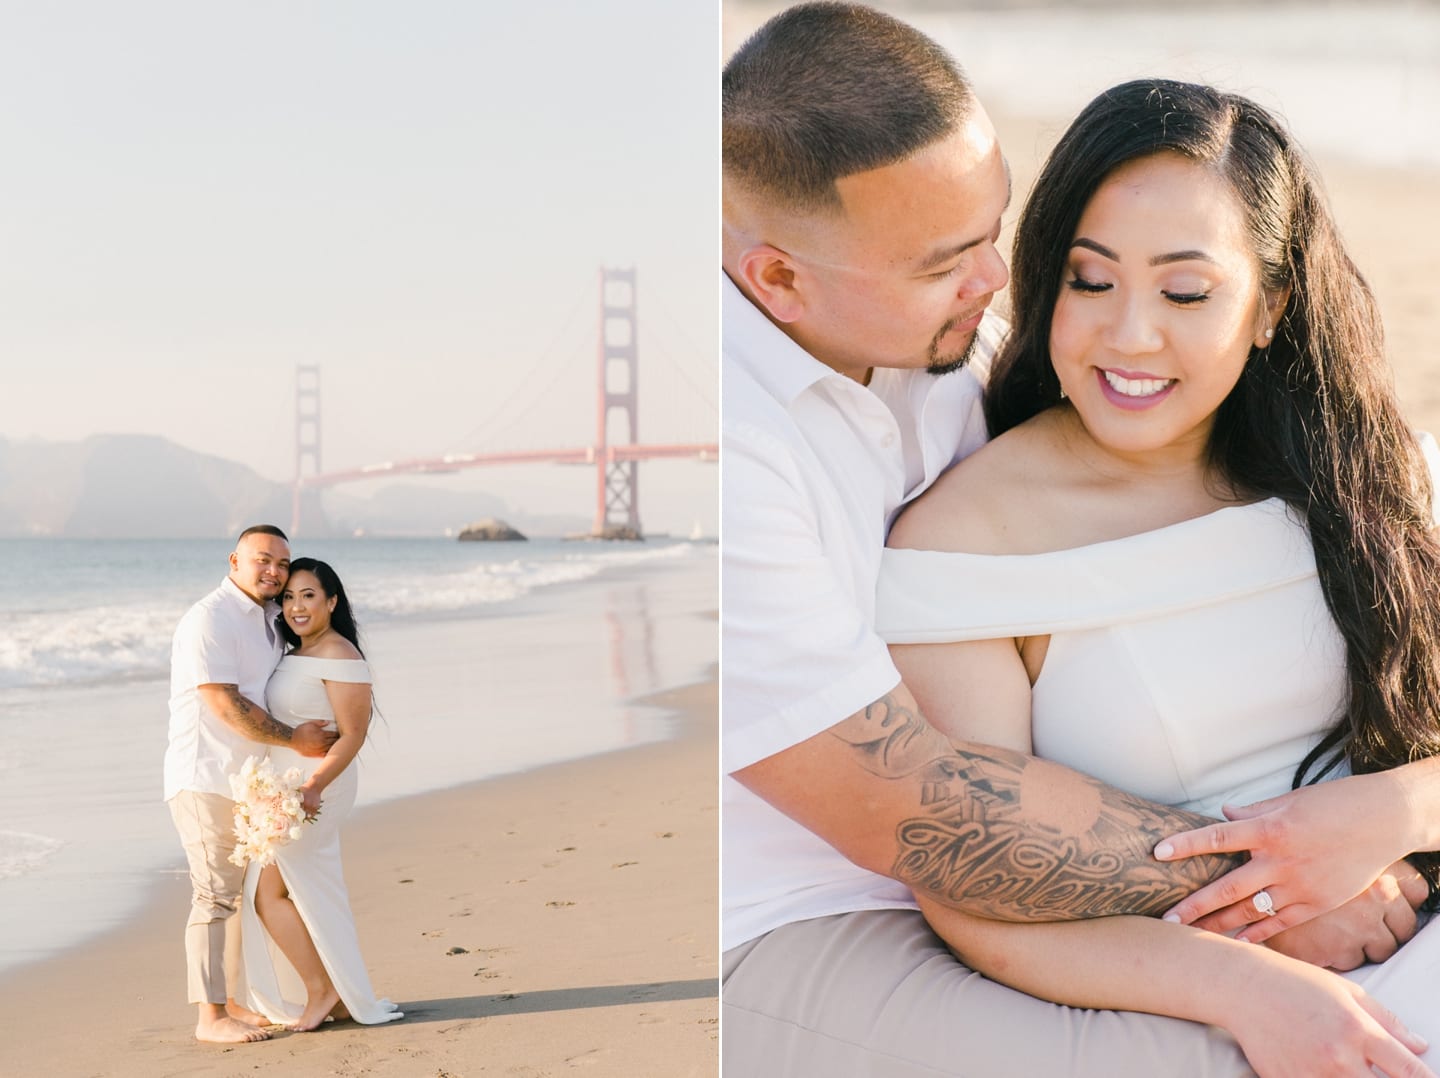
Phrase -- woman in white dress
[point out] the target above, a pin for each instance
(302, 956)
(1198, 561)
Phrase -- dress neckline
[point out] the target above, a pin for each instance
(1210, 519)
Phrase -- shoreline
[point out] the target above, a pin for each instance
(592, 940)
(463, 699)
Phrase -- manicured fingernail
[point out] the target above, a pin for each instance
(1172, 917)
(1164, 850)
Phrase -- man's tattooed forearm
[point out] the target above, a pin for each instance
(254, 723)
(1000, 834)
(892, 740)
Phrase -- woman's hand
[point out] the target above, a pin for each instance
(1311, 850)
(1369, 928)
(1307, 1022)
(310, 800)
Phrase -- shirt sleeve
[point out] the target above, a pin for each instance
(798, 653)
(206, 648)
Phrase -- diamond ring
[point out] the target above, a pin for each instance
(1264, 903)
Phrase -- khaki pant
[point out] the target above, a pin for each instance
(206, 823)
(877, 995)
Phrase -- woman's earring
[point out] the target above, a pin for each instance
(1269, 334)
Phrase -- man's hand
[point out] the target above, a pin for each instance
(1368, 928)
(1312, 850)
(312, 738)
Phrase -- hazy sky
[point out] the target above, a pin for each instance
(198, 196)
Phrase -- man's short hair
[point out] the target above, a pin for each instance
(262, 529)
(826, 90)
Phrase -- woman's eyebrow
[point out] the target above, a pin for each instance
(1158, 260)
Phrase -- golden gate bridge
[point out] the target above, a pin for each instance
(616, 451)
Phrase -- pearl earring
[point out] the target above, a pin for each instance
(1269, 334)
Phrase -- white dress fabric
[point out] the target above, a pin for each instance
(311, 865)
(1194, 665)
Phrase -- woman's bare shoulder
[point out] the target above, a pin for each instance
(986, 503)
(335, 646)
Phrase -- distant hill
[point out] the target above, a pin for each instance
(131, 486)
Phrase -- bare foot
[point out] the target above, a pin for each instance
(245, 1015)
(317, 1009)
(339, 1012)
(226, 1030)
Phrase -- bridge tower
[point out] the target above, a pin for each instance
(617, 510)
(307, 442)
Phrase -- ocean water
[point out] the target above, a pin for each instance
(488, 659)
(81, 611)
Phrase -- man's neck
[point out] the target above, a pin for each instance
(253, 598)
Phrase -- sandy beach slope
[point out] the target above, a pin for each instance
(544, 923)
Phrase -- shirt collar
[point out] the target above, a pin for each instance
(754, 342)
(234, 594)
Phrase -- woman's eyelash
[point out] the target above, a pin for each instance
(1185, 299)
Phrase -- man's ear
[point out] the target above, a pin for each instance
(769, 275)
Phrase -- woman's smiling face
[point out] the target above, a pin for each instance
(305, 605)
(1159, 306)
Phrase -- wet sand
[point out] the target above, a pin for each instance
(554, 919)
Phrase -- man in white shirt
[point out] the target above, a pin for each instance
(863, 192)
(225, 648)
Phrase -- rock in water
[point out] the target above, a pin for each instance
(489, 530)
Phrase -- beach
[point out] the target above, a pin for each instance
(561, 913)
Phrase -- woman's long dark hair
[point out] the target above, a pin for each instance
(342, 618)
(1313, 420)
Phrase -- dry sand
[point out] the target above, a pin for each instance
(579, 902)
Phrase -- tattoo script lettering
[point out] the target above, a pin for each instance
(254, 723)
(1003, 835)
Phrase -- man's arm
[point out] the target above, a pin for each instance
(252, 721)
(987, 831)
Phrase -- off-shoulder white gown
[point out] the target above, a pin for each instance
(1194, 665)
(311, 865)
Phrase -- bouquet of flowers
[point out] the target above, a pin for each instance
(267, 810)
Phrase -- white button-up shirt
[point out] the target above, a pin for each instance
(221, 640)
(815, 467)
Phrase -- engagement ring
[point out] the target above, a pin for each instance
(1264, 903)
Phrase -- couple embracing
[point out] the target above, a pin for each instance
(1167, 555)
(269, 662)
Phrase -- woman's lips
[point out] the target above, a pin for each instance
(1131, 390)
